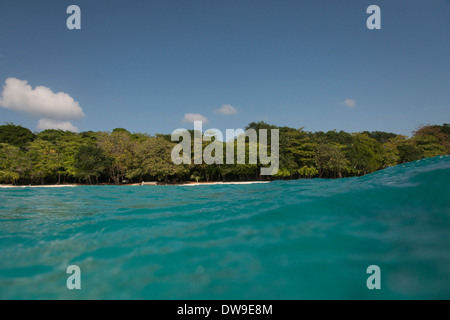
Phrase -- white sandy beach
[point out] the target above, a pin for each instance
(135, 184)
(38, 186)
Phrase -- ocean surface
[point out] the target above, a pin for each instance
(303, 239)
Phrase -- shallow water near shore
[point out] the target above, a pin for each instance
(303, 239)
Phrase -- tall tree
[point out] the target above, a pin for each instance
(155, 160)
(296, 149)
(66, 144)
(330, 160)
(14, 163)
(90, 163)
(15, 135)
(433, 140)
(45, 160)
(390, 153)
(407, 149)
(118, 147)
(430, 145)
(364, 154)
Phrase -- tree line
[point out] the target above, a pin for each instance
(58, 157)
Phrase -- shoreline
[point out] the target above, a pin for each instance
(188, 184)
(40, 186)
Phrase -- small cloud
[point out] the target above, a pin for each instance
(191, 117)
(45, 124)
(18, 95)
(350, 103)
(227, 110)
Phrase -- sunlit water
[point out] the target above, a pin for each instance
(303, 239)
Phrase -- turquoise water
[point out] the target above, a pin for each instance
(304, 239)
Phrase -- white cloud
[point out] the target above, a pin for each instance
(191, 117)
(227, 110)
(350, 103)
(18, 95)
(58, 125)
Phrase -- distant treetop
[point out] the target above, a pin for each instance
(15, 135)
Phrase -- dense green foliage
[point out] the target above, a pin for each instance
(15, 135)
(56, 156)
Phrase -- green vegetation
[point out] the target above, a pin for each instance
(55, 156)
(15, 135)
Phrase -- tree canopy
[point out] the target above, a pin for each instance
(56, 156)
(15, 135)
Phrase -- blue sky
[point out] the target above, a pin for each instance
(143, 65)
